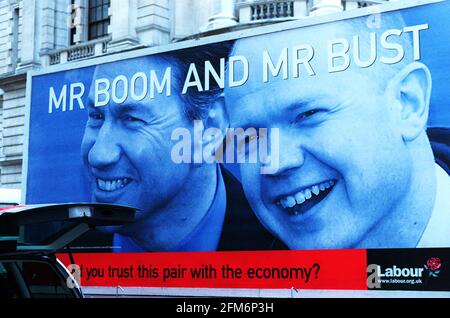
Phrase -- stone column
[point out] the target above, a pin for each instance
(29, 53)
(48, 25)
(350, 5)
(224, 17)
(122, 28)
(80, 19)
(322, 7)
(245, 13)
(300, 8)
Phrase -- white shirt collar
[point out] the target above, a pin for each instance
(437, 232)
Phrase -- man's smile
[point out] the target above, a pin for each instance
(301, 201)
(112, 184)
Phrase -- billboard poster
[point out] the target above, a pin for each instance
(327, 136)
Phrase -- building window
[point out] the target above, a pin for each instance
(15, 38)
(98, 18)
(75, 20)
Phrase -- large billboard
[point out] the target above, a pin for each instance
(310, 135)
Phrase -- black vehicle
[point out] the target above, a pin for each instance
(31, 235)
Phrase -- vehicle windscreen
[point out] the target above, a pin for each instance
(31, 279)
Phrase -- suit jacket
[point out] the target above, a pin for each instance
(440, 143)
(242, 229)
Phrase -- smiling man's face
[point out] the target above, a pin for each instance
(343, 163)
(126, 147)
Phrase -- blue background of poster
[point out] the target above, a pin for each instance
(55, 172)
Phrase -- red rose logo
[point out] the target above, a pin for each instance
(434, 263)
(433, 266)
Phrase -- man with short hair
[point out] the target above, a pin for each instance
(356, 168)
(127, 147)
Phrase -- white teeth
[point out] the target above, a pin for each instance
(308, 194)
(290, 201)
(302, 196)
(315, 190)
(283, 203)
(112, 185)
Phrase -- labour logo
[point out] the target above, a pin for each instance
(433, 266)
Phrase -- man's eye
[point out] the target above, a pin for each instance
(247, 139)
(132, 119)
(96, 116)
(306, 114)
(251, 138)
(247, 144)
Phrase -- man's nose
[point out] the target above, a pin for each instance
(291, 153)
(106, 150)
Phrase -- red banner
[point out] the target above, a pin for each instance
(326, 269)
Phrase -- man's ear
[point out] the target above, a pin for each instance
(216, 124)
(411, 88)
